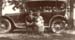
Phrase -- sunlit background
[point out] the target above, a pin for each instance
(7, 8)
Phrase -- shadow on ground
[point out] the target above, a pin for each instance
(5, 38)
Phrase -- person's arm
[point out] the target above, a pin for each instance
(42, 20)
(27, 22)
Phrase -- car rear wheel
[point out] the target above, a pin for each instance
(5, 25)
(59, 25)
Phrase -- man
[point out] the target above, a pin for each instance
(29, 20)
(35, 20)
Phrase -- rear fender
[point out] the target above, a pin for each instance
(56, 16)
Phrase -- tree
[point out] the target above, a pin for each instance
(71, 13)
(19, 4)
(1, 2)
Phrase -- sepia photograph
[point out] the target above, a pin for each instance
(37, 19)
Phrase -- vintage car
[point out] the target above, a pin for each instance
(53, 13)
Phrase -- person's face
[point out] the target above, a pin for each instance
(38, 13)
(31, 13)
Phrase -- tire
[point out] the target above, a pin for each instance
(5, 25)
(59, 25)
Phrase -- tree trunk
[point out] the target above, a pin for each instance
(71, 14)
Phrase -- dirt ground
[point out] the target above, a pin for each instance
(68, 35)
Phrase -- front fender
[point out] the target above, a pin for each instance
(12, 22)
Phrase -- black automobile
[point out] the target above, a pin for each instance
(53, 13)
